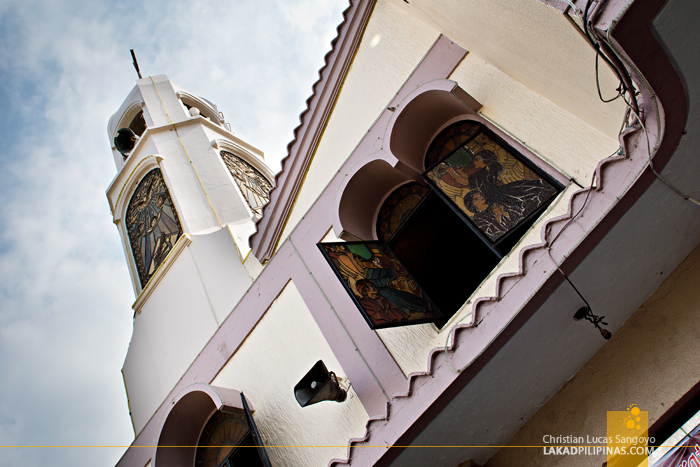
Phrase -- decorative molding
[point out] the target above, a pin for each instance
(128, 115)
(140, 168)
(185, 417)
(308, 134)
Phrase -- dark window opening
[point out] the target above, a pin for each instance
(482, 198)
(676, 416)
(445, 256)
(244, 455)
(138, 124)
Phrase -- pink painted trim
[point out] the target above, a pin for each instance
(437, 65)
(186, 416)
(469, 113)
(307, 135)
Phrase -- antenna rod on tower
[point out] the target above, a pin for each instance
(136, 64)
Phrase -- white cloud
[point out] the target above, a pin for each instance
(65, 297)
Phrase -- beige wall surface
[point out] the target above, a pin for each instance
(534, 44)
(553, 133)
(651, 361)
(282, 348)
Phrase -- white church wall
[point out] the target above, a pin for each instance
(172, 327)
(284, 345)
(220, 270)
(161, 99)
(211, 174)
(179, 316)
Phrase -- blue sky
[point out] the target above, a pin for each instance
(65, 295)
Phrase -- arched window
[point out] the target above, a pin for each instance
(253, 185)
(152, 224)
(231, 440)
(477, 198)
(226, 441)
(494, 188)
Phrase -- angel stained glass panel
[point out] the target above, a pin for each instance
(489, 184)
(152, 223)
(253, 185)
(381, 287)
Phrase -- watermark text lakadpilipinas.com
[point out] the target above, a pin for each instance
(626, 443)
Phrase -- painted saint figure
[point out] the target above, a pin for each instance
(382, 287)
(478, 184)
(152, 224)
(387, 303)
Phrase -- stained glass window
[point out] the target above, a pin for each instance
(152, 223)
(231, 440)
(381, 287)
(254, 186)
(442, 240)
(489, 183)
(449, 139)
(221, 435)
(398, 207)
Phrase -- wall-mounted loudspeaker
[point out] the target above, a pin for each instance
(125, 140)
(318, 385)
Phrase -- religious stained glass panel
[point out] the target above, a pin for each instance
(489, 184)
(381, 287)
(253, 185)
(398, 207)
(450, 139)
(222, 433)
(152, 223)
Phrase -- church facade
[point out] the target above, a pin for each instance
(467, 249)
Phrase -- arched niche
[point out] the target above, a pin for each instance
(416, 121)
(422, 115)
(206, 108)
(185, 418)
(362, 197)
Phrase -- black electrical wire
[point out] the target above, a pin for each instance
(596, 46)
(597, 82)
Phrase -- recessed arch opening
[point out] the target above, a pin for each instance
(363, 196)
(418, 123)
(185, 419)
(205, 108)
(479, 194)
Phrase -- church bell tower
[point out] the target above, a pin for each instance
(185, 200)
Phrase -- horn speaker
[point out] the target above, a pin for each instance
(318, 385)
